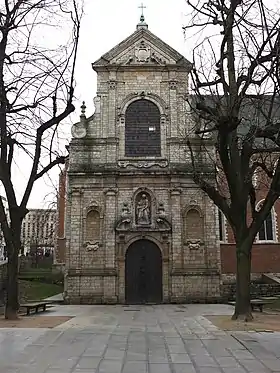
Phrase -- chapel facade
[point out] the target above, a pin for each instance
(138, 230)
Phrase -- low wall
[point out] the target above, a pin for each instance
(257, 290)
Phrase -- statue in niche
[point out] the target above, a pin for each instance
(143, 210)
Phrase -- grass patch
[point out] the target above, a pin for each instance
(42, 276)
(33, 290)
(275, 305)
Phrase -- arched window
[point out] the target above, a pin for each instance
(266, 232)
(142, 129)
(93, 226)
(222, 227)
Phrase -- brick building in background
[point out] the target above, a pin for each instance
(266, 247)
(60, 245)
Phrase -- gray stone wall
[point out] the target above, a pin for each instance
(103, 179)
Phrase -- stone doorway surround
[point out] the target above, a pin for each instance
(143, 273)
(123, 245)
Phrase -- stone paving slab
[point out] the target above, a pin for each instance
(149, 339)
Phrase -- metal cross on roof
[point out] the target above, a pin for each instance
(142, 7)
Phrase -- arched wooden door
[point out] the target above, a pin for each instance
(143, 273)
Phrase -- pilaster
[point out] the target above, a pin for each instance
(176, 228)
(110, 218)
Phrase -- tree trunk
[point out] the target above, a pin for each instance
(243, 280)
(12, 303)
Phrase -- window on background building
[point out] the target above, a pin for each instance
(142, 129)
(222, 227)
(266, 233)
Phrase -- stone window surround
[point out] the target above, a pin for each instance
(274, 228)
(163, 121)
(222, 220)
(185, 211)
(92, 207)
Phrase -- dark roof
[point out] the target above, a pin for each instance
(255, 110)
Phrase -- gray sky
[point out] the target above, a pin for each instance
(105, 24)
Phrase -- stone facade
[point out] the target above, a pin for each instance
(117, 199)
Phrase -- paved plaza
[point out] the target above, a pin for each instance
(138, 339)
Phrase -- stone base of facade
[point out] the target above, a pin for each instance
(191, 287)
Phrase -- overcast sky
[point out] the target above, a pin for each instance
(105, 24)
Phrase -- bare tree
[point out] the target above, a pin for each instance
(235, 102)
(38, 48)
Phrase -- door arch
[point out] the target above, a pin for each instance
(143, 273)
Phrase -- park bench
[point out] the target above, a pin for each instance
(256, 303)
(259, 303)
(36, 306)
(272, 298)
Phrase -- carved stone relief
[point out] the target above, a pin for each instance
(92, 246)
(172, 84)
(79, 130)
(142, 52)
(143, 164)
(112, 84)
(97, 104)
(145, 215)
(194, 244)
(124, 223)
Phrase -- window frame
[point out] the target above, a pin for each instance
(273, 226)
(164, 126)
(134, 120)
(222, 228)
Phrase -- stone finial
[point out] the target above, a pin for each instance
(83, 110)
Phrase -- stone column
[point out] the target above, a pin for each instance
(163, 135)
(110, 219)
(176, 228)
(177, 278)
(104, 114)
(174, 145)
(173, 106)
(111, 108)
(121, 269)
(121, 135)
(109, 295)
(74, 235)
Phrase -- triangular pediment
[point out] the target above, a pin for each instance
(142, 48)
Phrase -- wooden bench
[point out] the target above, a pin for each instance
(36, 306)
(259, 303)
(272, 298)
(256, 303)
